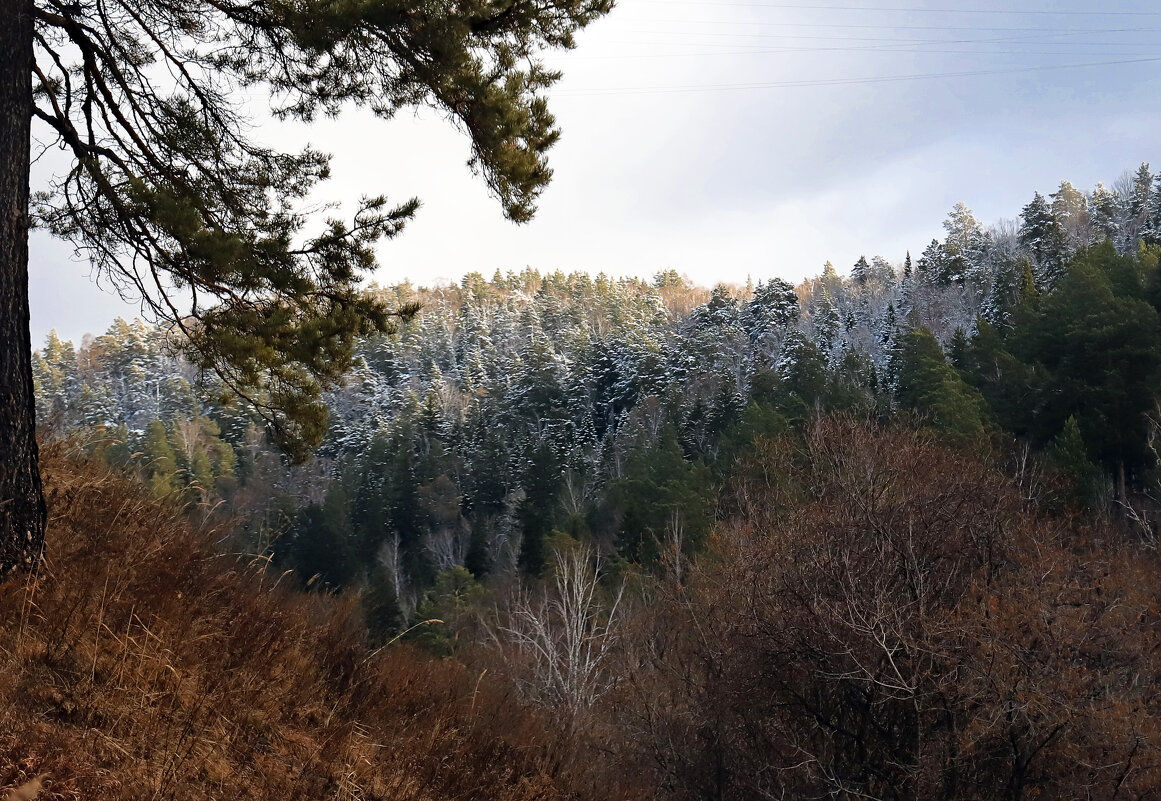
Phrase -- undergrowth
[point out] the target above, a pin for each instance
(142, 663)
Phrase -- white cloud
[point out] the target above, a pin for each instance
(729, 184)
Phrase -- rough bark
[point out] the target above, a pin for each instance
(22, 512)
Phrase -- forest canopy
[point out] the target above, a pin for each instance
(520, 409)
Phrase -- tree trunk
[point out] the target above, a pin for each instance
(22, 513)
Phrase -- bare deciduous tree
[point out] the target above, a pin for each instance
(563, 636)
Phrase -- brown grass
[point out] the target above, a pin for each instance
(142, 664)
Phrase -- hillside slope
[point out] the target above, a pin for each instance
(142, 664)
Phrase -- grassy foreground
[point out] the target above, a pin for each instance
(142, 664)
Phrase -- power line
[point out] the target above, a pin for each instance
(844, 26)
(886, 52)
(796, 37)
(908, 9)
(885, 41)
(841, 81)
(870, 44)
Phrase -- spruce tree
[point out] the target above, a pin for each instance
(932, 266)
(1068, 455)
(1152, 231)
(861, 271)
(1133, 224)
(1142, 190)
(1104, 209)
(1044, 237)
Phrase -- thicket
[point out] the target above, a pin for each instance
(881, 617)
(142, 662)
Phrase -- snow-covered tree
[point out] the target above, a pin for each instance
(1043, 236)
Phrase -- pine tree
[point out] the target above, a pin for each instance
(1070, 208)
(1097, 345)
(167, 190)
(965, 246)
(931, 387)
(54, 375)
(659, 485)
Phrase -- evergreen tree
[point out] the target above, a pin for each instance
(453, 600)
(1067, 454)
(803, 378)
(537, 513)
(320, 545)
(54, 376)
(1104, 210)
(930, 386)
(381, 612)
(1008, 385)
(1139, 199)
(1098, 344)
(933, 263)
(663, 497)
(1134, 206)
(773, 307)
(1151, 232)
(827, 322)
(1044, 237)
(882, 273)
(167, 190)
(861, 271)
(965, 247)
(1070, 208)
(160, 460)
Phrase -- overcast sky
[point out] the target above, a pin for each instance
(750, 139)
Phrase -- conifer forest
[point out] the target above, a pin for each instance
(889, 533)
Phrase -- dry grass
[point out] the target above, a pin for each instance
(141, 664)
